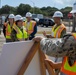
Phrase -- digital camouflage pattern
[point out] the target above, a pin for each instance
(56, 47)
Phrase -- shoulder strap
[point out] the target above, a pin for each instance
(16, 28)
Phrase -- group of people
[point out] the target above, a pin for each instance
(64, 47)
(15, 29)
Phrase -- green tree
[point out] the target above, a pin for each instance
(36, 10)
(5, 10)
(65, 11)
(49, 10)
(22, 9)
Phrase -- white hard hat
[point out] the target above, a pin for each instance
(11, 16)
(58, 14)
(18, 17)
(73, 8)
(28, 14)
(24, 18)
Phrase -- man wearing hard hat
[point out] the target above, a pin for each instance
(31, 26)
(74, 17)
(7, 28)
(18, 32)
(59, 29)
(64, 47)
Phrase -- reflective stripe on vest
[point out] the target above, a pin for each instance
(57, 32)
(8, 31)
(30, 28)
(67, 69)
(20, 35)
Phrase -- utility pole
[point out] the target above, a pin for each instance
(33, 6)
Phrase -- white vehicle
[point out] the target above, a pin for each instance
(39, 16)
(36, 17)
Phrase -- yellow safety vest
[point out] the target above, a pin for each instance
(8, 30)
(57, 32)
(20, 35)
(30, 27)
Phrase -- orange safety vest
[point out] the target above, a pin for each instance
(30, 28)
(66, 68)
(57, 32)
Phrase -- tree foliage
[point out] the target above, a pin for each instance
(5, 9)
(22, 9)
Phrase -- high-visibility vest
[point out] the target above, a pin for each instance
(21, 35)
(74, 35)
(8, 30)
(57, 32)
(66, 68)
(30, 27)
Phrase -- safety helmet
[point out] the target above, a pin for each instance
(24, 18)
(18, 17)
(73, 8)
(58, 14)
(28, 14)
(11, 16)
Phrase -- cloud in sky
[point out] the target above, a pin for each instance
(40, 3)
(55, 3)
(64, 2)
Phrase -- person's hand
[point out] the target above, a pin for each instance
(37, 39)
(44, 33)
(54, 65)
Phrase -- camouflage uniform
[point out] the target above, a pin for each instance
(65, 46)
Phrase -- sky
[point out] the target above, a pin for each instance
(39, 3)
